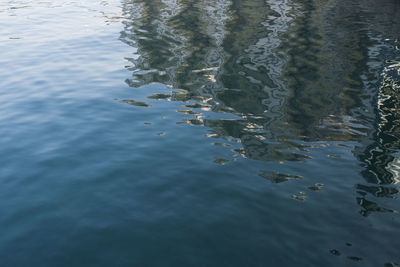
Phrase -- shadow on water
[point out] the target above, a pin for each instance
(294, 75)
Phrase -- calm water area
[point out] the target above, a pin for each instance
(199, 133)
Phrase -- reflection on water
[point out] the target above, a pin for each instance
(206, 133)
(295, 75)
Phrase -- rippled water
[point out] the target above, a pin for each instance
(199, 133)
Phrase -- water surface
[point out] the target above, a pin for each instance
(204, 133)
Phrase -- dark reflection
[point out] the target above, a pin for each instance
(381, 158)
(369, 206)
(276, 177)
(135, 103)
(292, 73)
(380, 154)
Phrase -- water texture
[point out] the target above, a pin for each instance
(199, 133)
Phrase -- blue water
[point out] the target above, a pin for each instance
(199, 133)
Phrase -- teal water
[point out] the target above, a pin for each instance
(199, 133)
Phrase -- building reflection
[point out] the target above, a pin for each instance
(292, 72)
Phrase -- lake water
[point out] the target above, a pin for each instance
(199, 133)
